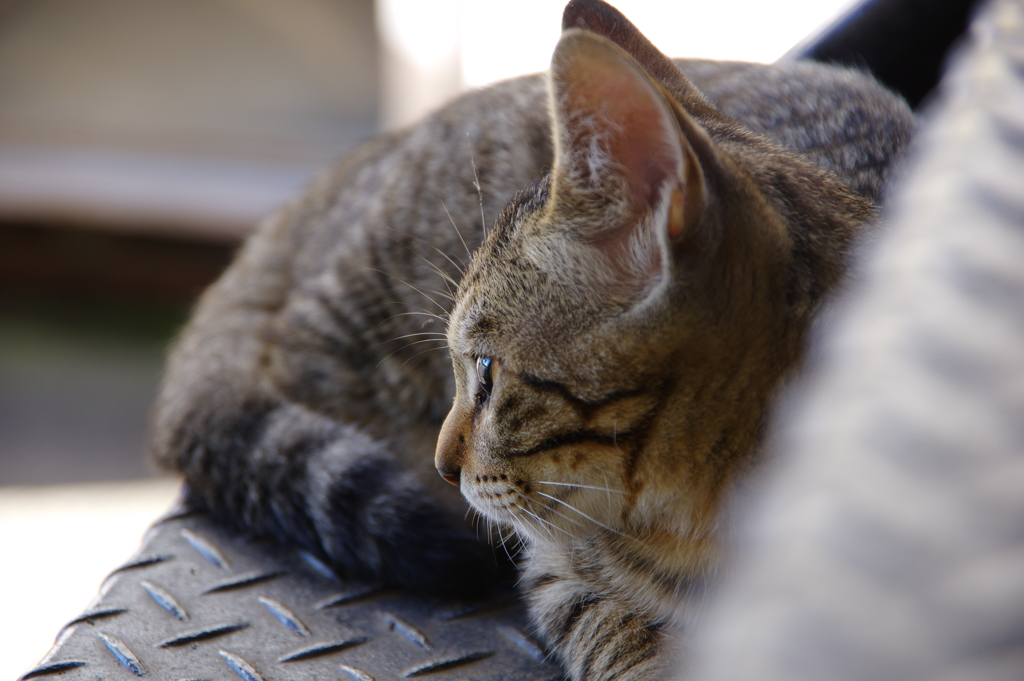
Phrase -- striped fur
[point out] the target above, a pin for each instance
(639, 323)
(618, 336)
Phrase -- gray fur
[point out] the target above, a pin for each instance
(887, 541)
(297, 402)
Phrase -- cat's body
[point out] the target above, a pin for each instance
(299, 401)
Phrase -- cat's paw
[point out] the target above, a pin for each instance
(376, 523)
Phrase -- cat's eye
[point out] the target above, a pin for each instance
(485, 368)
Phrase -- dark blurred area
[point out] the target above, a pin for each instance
(903, 43)
(139, 143)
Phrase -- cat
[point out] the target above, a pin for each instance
(612, 344)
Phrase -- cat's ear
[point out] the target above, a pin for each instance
(603, 19)
(625, 176)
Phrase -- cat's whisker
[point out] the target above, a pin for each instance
(573, 484)
(503, 540)
(460, 267)
(443, 318)
(436, 335)
(443, 345)
(479, 194)
(575, 522)
(431, 315)
(504, 547)
(457, 231)
(419, 333)
(533, 527)
(446, 278)
(440, 348)
(490, 536)
(608, 496)
(444, 294)
(388, 356)
(576, 510)
(517, 543)
(516, 525)
(414, 288)
(424, 340)
(543, 521)
(423, 313)
(408, 345)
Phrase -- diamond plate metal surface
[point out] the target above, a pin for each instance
(199, 602)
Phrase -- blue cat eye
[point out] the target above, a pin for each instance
(485, 380)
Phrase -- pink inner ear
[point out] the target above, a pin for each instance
(619, 151)
(614, 104)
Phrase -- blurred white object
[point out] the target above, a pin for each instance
(420, 58)
(435, 49)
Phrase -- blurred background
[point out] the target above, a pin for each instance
(139, 143)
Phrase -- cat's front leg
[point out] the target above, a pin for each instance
(596, 635)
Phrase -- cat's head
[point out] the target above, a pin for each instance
(617, 336)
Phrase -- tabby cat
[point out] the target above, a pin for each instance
(615, 339)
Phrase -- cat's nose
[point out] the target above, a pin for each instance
(449, 469)
(452, 476)
(451, 448)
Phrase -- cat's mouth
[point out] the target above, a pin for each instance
(499, 497)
